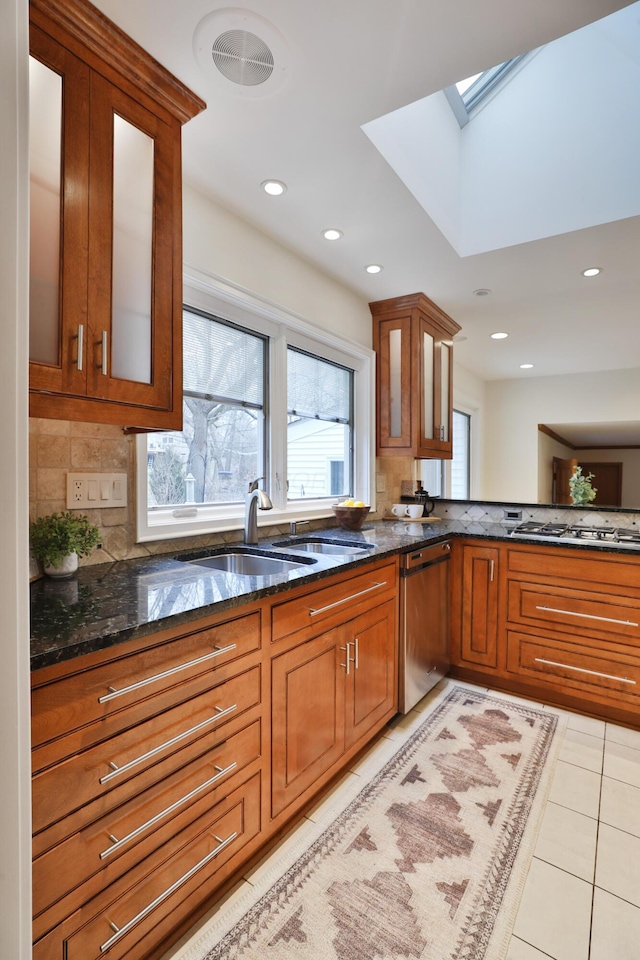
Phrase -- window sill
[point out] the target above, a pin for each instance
(168, 527)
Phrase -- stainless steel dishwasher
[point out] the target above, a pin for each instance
(424, 621)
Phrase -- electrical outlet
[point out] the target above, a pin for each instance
(96, 490)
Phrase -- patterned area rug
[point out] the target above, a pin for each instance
(426, 861)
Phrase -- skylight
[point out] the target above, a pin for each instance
(468, 94)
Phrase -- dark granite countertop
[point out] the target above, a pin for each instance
(109, 603)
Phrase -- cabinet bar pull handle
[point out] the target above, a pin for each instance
(116, 770)
(113, 693)
(347, 658)
(80, 338)
(104, 342)
(356, 662)
(117, 844)
(121, 931)
(492, 565)
(338, 603)
(589, 616)
(592, 673)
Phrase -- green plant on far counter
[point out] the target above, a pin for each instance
(56, 536)
(582, 493)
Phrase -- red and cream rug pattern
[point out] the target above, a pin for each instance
(426, 861)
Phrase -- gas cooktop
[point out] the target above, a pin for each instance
(577, 531)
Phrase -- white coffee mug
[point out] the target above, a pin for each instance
(398, 510)
(414, 510)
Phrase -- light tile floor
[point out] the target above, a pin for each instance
(581, 900)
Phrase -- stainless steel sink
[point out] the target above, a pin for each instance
(247, 564)
(336, 549)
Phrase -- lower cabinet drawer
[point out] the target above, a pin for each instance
(575, 610)
(116, 923)
(104, 850)
(68, 785)
(126, 689)
(324, 604)
(590, 670)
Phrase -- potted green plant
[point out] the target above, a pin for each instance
(580, 488)
(58, 539)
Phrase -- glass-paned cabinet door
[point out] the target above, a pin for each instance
(131, 217)
(445, 386)
(58, 187)
(394, 383)
(428, 412)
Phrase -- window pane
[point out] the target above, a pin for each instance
(221, 446)
(460, 462)
(222, 361)
(317, 388)
(318, 458)
(212, 461)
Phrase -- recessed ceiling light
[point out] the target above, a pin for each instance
(499, 336)
(526, 366)
(373, 268)
(332, 234)
(275, 188)
(481, 292)
(592, 272)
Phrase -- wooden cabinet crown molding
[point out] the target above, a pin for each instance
(94, 32)
(415, 301)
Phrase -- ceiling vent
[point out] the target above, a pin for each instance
(243, 48)
(242, 57)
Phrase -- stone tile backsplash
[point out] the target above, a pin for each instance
(468, 511)
(57, 447)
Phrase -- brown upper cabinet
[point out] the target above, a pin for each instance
(105, 332)
(412, 338)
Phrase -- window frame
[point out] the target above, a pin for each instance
(207, 294)
(484, 87)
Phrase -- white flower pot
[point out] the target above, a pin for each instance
(66, 568)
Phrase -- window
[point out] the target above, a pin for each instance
(467, 94)
(264, 396)
(461, 459)
(319, 427)
(221, 446)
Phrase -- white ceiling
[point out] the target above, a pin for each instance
(343, 63)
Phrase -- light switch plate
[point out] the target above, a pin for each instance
(96, 490)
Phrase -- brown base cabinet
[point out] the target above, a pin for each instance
(477, 604)
(558, 624)
(152, 782)
(328, 694)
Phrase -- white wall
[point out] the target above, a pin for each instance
(469, 397)
(514, 408)
(15, 797)
(548, 448)
(220, 243)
